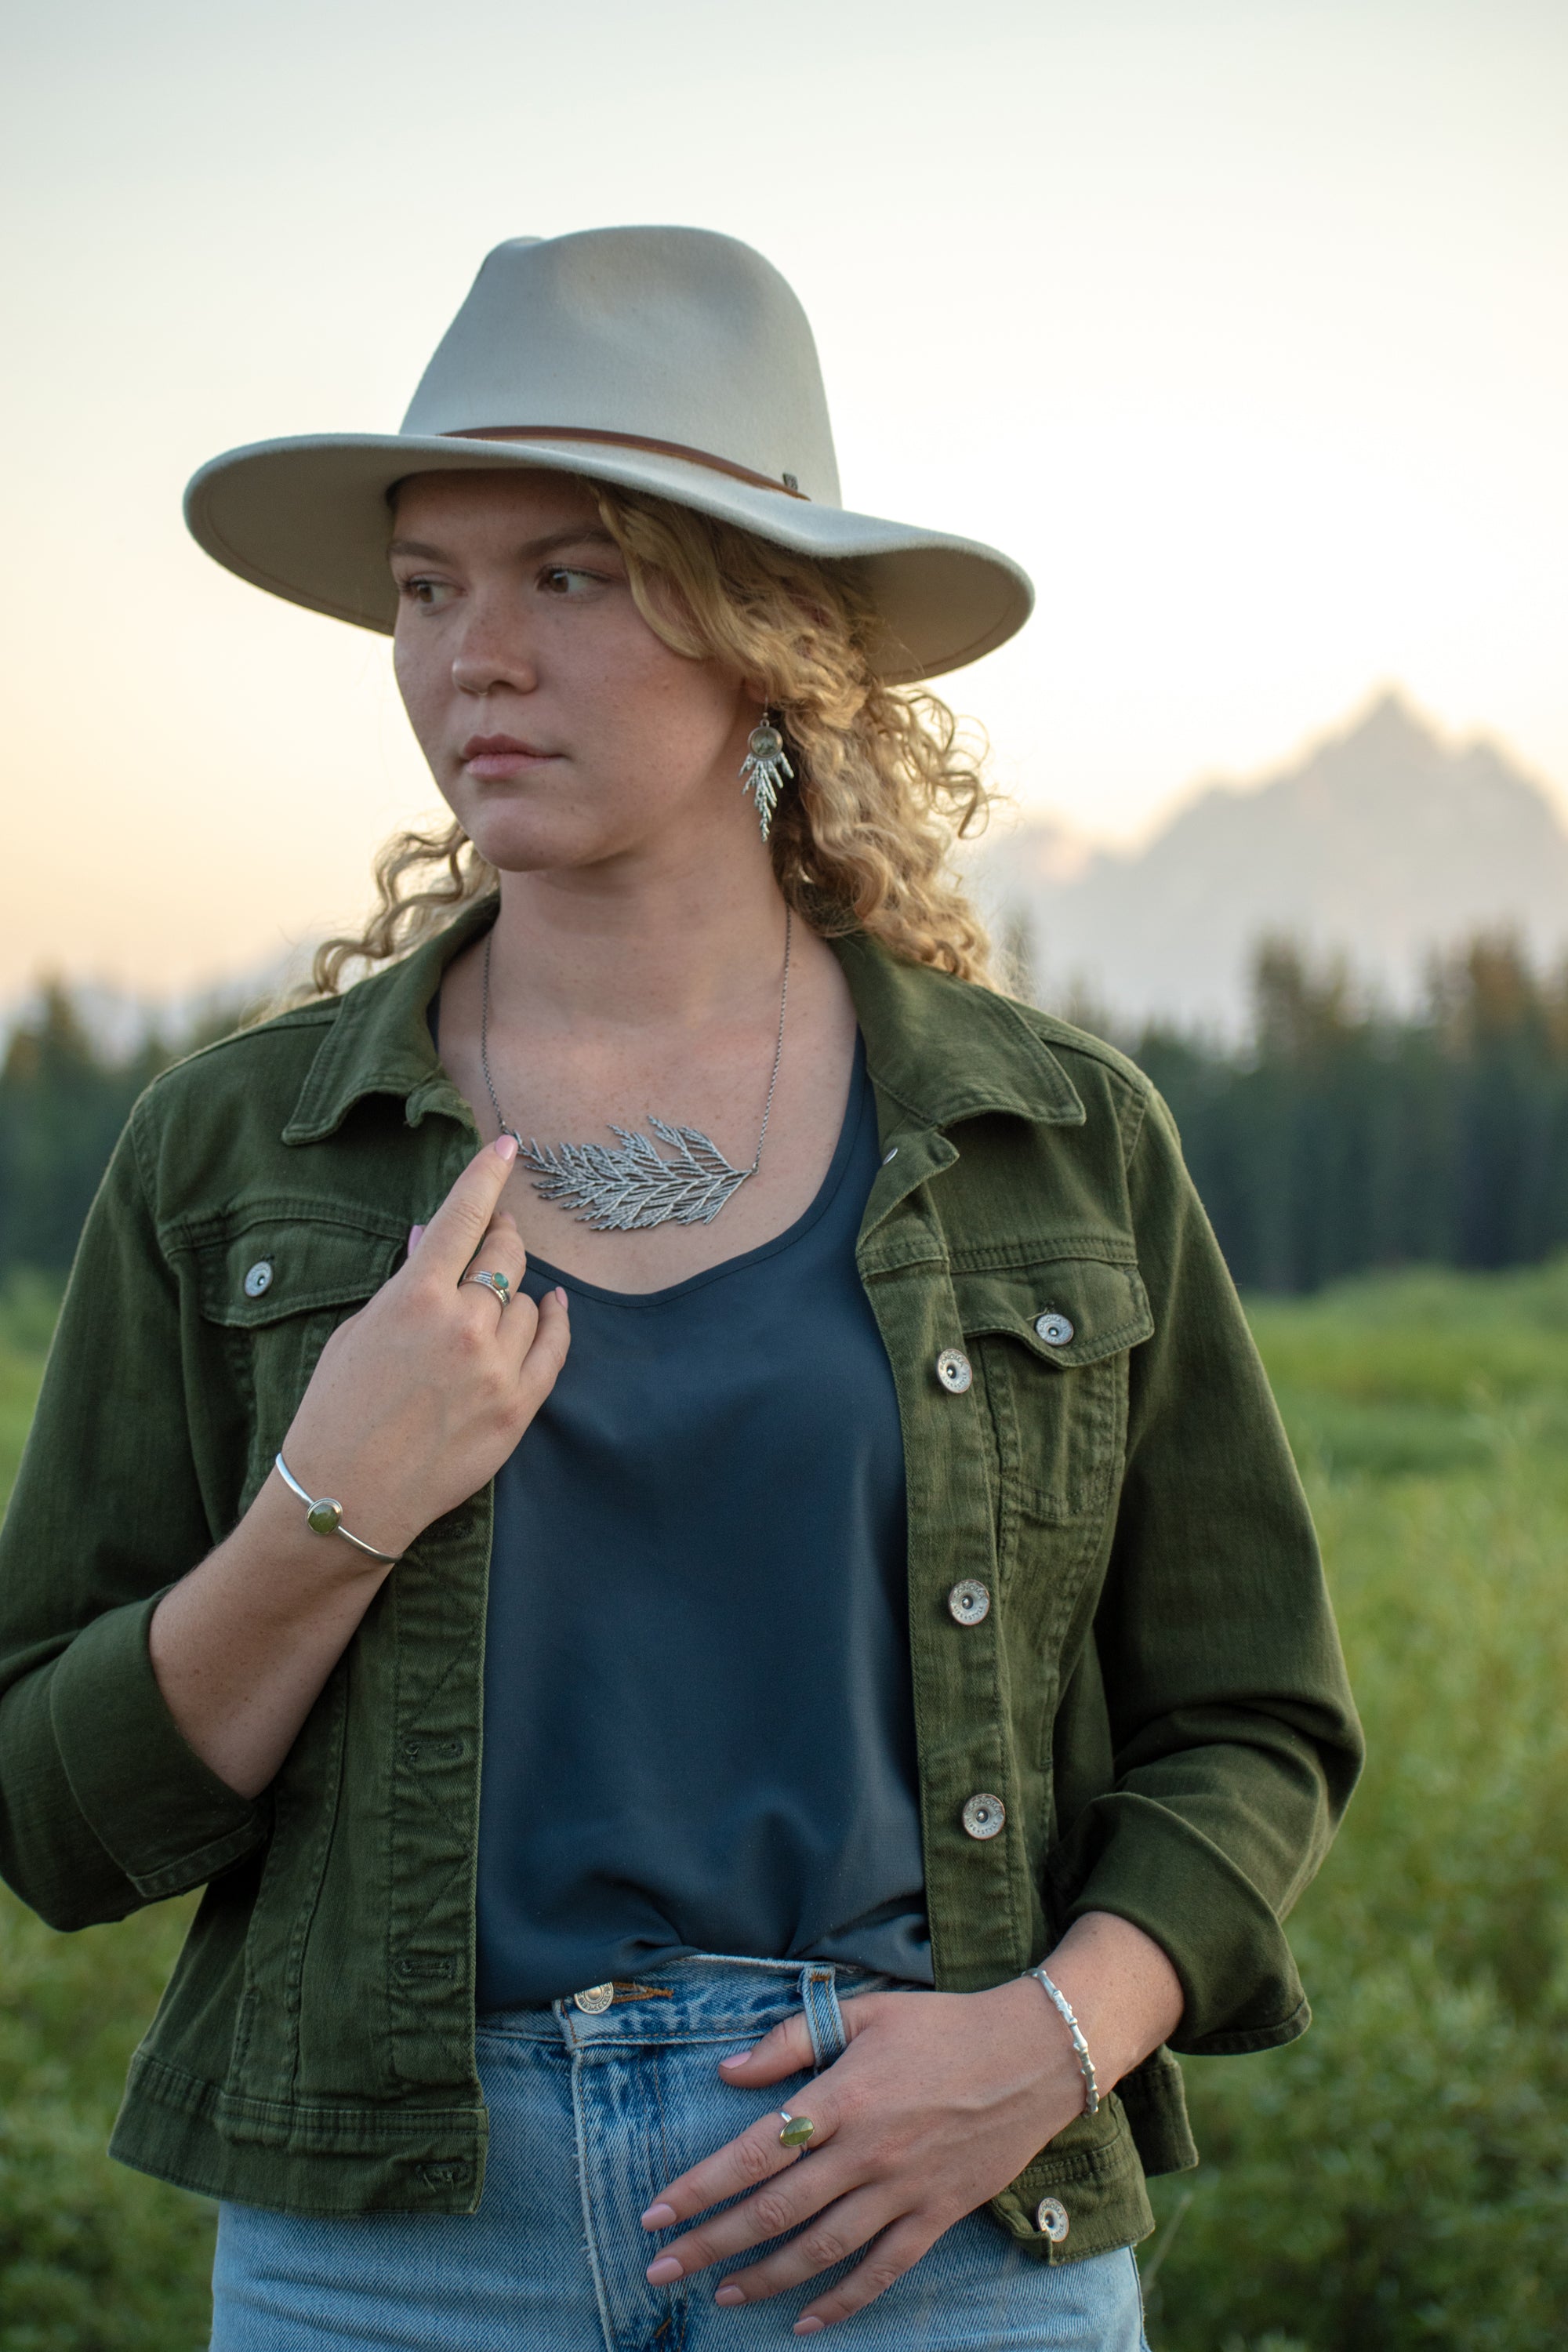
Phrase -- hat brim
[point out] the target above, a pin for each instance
(307, 518)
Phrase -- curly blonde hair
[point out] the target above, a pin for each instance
(883, 786)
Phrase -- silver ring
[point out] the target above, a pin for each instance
(497, 1285)
(798, 2129)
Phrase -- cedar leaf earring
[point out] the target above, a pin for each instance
(764, 770)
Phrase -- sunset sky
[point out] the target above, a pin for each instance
(1243, 326)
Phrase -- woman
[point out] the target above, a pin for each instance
(844, 1493)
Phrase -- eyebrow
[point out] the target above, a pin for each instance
(583, 535)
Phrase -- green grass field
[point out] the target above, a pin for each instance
(1398, 2179)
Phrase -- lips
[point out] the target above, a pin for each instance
(496, 747)
(495, 758)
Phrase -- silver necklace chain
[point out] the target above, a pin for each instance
(627, 1190)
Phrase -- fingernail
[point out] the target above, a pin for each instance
(735, 2058)
(507, 1146)
(809, 2326)
(658, 2217)
(660, 2273)
(561, 1295)
(415, 1235)
(728, 2293)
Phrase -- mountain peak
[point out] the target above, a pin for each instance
(1391, 725)
(1384, 840)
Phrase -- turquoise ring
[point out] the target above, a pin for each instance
(497, 1284)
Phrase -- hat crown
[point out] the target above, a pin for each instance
(673, 335)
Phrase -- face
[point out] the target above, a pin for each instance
(561, 730)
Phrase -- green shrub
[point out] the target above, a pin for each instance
(94, 2258)
(1399, 2179)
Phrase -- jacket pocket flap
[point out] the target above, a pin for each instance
(268, 1266)
(1065, 1310)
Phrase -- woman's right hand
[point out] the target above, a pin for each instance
(420, 1397)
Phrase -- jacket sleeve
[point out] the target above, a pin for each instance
(103, 1806)
(1234, 1739)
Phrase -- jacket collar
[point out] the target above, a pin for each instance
(942, 1049)
(945, 1050)
(379, 1042)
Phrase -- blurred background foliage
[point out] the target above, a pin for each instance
(1398, 2180)
(1336, 1138)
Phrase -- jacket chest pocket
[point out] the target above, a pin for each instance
(270, 1287)
(1051, 1342)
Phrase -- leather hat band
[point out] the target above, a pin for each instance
(788, 488)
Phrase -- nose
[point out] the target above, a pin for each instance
(493, 649)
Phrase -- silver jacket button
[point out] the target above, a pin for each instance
(954, 1371)
(596, 2001)
(1055, 1331)
(890, 1155)
(259, 1278)
(1051, 2220)
(983, 1815)
(969, 1602)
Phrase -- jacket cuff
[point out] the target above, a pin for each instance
(1239, 1986)
(168, 1821)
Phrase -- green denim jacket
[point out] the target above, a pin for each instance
(1155, 1695)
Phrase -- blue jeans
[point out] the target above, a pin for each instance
(589, 2117)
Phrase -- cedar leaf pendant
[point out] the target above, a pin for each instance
(626, 1192)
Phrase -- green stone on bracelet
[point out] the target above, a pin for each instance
(326, 1517)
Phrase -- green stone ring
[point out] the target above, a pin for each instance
(490, 1280)
(798, 2129)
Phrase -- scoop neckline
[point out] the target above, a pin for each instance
(855, 1108)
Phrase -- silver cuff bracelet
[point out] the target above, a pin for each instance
(324, 1517)
(1080, 2048)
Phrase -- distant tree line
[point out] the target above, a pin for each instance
(1340, 1139)
(63, 1101)
(1337, 1139)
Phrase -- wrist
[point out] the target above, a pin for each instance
(1067, 2017)
(324, 1517)
(1038, 2050)
(1121, 1988)
(276, 1526)
(361, 1480)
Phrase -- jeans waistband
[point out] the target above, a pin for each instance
(709, 1997)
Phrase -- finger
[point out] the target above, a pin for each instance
(458, 1225)
(782, 2204)
(896, 2250)
(785, 2050)
(500, 1251)
(754, 2157)
(775, 2210)
(547, 1345)
(839, 2232)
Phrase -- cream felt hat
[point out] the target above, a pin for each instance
(666, 360)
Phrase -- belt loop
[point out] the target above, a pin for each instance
(824, 2018)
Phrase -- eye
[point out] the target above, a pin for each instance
(421, 589)
(564, 580)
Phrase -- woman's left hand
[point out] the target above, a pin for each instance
(939, 2102)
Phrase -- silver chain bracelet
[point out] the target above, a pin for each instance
(1080, 2048)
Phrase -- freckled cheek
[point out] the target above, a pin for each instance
(420, 681)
